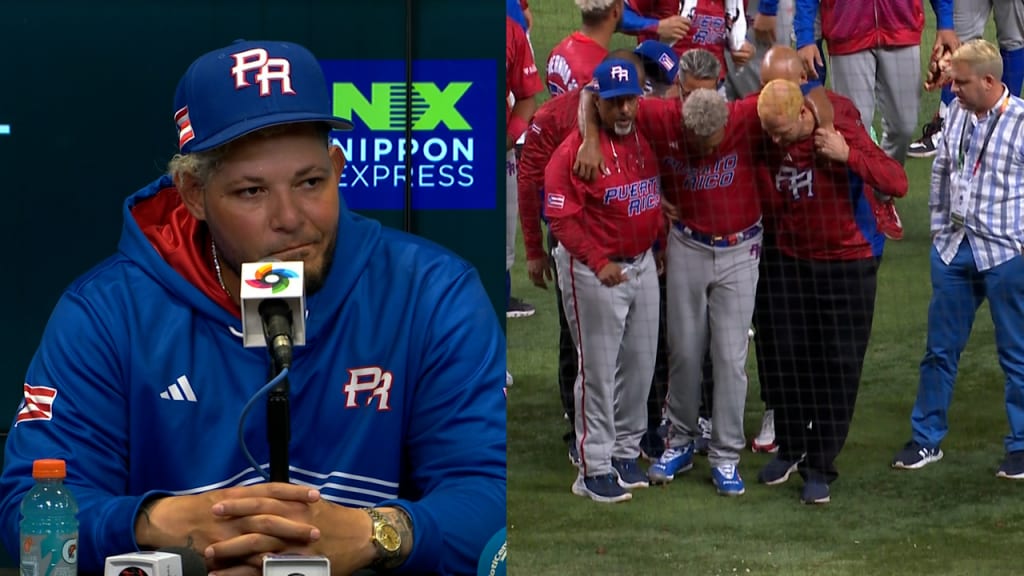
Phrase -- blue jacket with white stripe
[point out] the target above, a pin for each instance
(397, 397)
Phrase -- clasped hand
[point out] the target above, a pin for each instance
(234, 528)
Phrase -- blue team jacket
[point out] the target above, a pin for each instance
(395, 310)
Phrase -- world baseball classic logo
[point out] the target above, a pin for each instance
(276, 279)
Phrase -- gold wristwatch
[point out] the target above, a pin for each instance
(386, 539)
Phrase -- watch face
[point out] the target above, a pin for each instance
(389, 538)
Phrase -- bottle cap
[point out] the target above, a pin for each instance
(48, 468)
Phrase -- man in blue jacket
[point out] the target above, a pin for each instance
(397, 401)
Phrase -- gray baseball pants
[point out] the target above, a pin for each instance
(892, 78)
(709, 287)
(970, 17)
(615, 330)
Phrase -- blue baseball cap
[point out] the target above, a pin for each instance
(617, 77)
(660, 61)
(248, 86)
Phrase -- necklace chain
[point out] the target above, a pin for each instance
(216, 267)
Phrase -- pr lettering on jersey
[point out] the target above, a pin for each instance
(710, 30)
(719, 175)
(372, 381)
(795, 182)
(641, 196)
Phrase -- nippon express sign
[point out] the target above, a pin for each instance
(454, 160)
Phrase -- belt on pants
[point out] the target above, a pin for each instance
(625, 260)
(722, 241)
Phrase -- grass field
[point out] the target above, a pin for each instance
(953, 517)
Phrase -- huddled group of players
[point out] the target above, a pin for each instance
(685, 203)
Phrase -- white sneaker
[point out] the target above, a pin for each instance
(508, 378)
(765, 440)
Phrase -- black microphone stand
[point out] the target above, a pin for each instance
(278, 425)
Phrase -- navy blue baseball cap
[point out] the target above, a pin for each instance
(248, 86)
(617, 77)
(660, 61)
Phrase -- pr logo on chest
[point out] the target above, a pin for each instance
(368, 386)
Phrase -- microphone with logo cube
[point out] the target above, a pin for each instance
(273, 301)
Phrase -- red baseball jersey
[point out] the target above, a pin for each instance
(824, 214)
(615, 216)
(714, 193)
(521, 78)
(551, 125)
(708, 27)
(572, 62)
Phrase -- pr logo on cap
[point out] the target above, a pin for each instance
(270, 69)
(248, 86)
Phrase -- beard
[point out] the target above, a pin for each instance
(316, 281)
(623, 127)
(313, 280)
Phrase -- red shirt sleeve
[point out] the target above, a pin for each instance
(867, 160)
(564, 198)
(522, 79)
(535, 156)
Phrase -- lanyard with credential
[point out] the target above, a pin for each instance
(984, 144)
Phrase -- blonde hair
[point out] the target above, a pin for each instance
(780, 98)
(981, 56)
(203, 165)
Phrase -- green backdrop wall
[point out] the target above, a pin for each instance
(87, 91)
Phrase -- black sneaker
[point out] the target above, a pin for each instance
(1012, 467)
(652, 445)
(777, 471)
(914, 456)
(629, 473)
(603, 488)
(925, 146)
(815, 492)
(519, 309)
(574, 453)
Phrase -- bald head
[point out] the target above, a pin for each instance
(782, 62)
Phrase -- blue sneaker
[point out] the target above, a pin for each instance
(777, 471)
(629, 473)
(603, 488)
(815, 492)
(726, 479)
(1012, 466)
(914, 456)
(672, 462)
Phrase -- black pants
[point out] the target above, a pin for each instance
(567, 360)
(821, 319)
(771, 281)
(659, 385)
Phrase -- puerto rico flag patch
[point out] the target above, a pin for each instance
(556, 201)
(38, 404)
